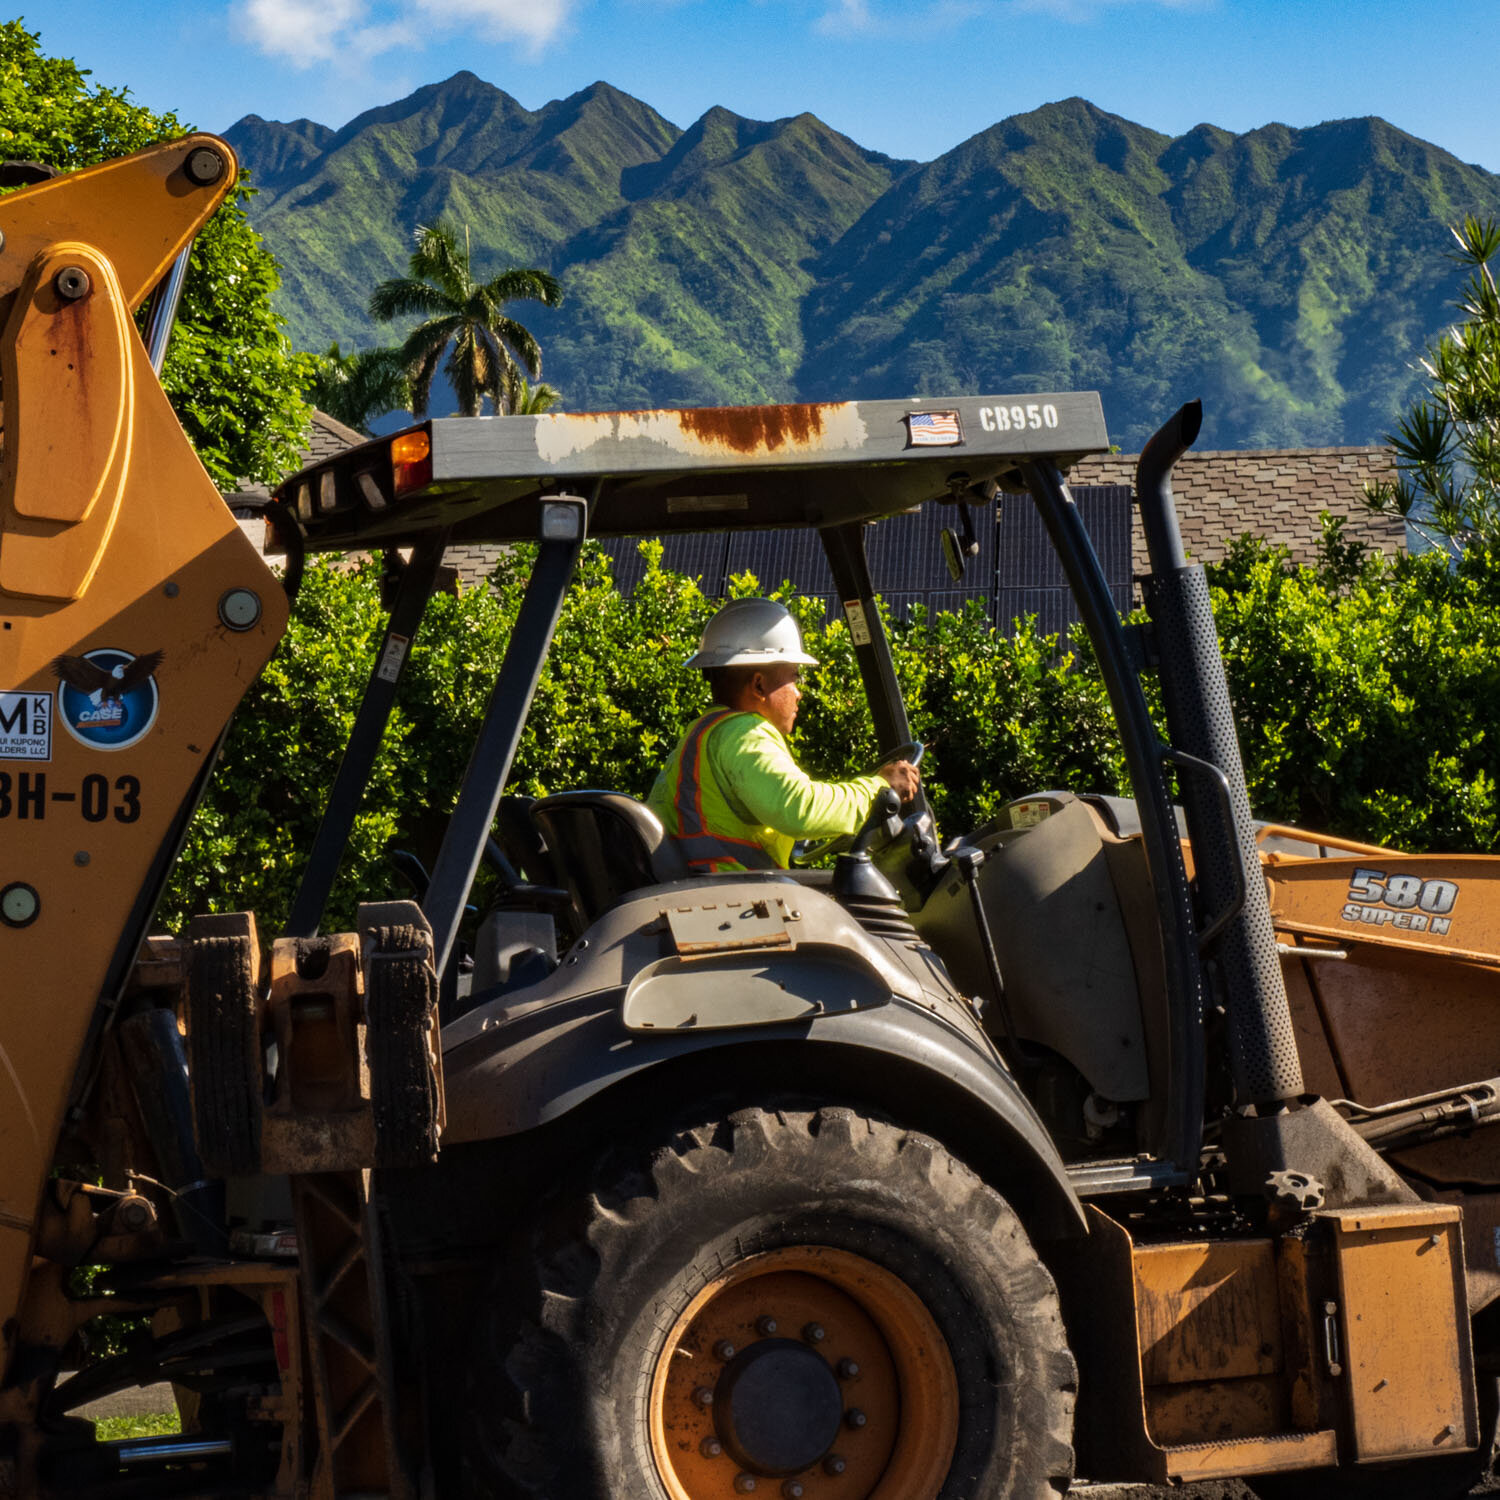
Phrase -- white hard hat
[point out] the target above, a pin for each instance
(751, 633)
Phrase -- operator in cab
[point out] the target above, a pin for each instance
(730, 794)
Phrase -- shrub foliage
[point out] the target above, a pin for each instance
(1368, 695)
(232, 377)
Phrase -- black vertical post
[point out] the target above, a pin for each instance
(563, 523)
(845, 548)
(417, 582)
(1263, 1057)
(1185, 1083)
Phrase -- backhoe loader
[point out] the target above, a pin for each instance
(1119, 1137)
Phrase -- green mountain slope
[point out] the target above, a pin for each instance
(692, 293)
(1290, 277)
(685, 253)
(523, 181)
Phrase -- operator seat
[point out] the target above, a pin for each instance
(605, 845)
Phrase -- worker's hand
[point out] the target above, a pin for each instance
(903, 778)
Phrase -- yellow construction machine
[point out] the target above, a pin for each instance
(1124, 1138)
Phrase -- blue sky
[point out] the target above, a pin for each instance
(908, 77)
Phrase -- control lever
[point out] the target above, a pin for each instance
(411, 870)
(854, 875)
(883, 818)
(968, 861)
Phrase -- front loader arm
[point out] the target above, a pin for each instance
(134, 614)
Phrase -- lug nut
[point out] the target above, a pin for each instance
(744, 1484)
(766, 1327)
(703, 1396)
(72, 283)
(834, 1465)
(793, 1490)
(814, 1333)
(711, 1447)
(724, 1351)
(848, 1369)
(855, 1418)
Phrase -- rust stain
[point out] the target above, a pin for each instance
(753, 429)
(71, 341)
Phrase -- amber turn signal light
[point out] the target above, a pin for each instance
(411, 461)
(410, 448)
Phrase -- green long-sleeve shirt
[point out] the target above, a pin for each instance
(752, 790)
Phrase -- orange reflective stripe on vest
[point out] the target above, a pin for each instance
(699, 846)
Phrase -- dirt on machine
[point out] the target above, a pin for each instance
(1119, 1138)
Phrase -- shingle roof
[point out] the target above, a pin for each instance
(327, 437)
(475, 561)
(1276, 493)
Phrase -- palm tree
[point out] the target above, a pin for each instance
(522, 399)
(355, 387)
(468, 314)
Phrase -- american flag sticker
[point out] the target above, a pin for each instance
(933, 429)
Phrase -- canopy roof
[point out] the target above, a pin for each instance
(698, 469)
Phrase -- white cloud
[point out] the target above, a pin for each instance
(844, 17)
(534, 22)
(300, 31)
(304, 32)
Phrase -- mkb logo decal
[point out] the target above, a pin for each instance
(108, 698)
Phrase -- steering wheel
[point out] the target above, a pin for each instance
(805, 853)
(912, 750)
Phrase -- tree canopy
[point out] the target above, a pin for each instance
(232, 377)
(1447, 446)
(526, 400)
(360, 386)
(487, 345)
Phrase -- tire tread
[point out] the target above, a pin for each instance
(599, 1239)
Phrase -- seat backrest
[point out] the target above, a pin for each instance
(605, 845)
(522, 843)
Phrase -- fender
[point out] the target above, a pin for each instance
(511, 1067)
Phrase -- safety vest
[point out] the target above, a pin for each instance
(703, 847)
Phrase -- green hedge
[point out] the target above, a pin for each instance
(1367, 693)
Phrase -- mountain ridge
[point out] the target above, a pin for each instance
(1291, 275)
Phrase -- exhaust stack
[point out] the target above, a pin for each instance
(1263, 1051)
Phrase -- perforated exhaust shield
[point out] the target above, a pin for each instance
(1264, 1062)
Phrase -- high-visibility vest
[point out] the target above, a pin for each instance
(703, 847)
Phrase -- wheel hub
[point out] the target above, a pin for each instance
(778, 1407)
(804, 1372)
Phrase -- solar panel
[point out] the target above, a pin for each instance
(698, 554)
(1014, 574)
(777, 557)
(1029, 579)
(906, 552)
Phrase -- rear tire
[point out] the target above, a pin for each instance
(224, 1047)
(401, 1042)
(576, 1353)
